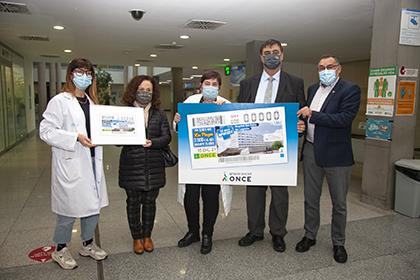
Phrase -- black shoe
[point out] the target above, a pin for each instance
(206, 244)
(305, 244)
(278, 243)
(188, 239)
(340, 254)
(249, 239)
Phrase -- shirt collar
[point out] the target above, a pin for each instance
(276, 76)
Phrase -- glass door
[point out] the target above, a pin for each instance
(10, 106)
(2, 111)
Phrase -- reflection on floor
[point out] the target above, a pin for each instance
(381, 244)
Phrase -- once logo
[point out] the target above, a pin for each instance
(244, 179)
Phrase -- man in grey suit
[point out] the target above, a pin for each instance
(271, 86)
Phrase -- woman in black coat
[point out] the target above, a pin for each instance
(142, 169)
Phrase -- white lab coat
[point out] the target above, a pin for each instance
(74, 192)
(226, 190)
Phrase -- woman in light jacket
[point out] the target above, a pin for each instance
(142, 168)
(189, 194)
(78, 188)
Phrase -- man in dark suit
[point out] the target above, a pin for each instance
(271, 86)
(327, 151)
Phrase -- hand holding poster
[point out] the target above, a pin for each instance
(238, 144)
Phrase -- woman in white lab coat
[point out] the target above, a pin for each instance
(78, 188)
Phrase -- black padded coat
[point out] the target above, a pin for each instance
(143, 168)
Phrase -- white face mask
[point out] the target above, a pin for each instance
(210, 93)
(327, 77)
(82, 82)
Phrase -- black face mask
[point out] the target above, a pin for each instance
(143, 97)
(272, 61)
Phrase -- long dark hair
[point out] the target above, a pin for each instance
(131, 90)
(69, 86)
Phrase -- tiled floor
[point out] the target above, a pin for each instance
(381, 244)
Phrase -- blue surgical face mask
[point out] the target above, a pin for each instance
(210, 93)
(327, 77)
(82, 82)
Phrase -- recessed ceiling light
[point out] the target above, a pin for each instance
(67, 51)
(284, 44)
(196, 76)
(58, 27)
(153, 55)
(195, 67)
(226, 59)
(137, 64)
(184, 37)
(126, 52)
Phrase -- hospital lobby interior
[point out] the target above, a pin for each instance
(381, 242)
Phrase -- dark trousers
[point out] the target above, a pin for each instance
(279, 209)
(141, 203)
(210, 196)
(338, 179)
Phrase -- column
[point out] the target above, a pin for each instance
(378, 185)
(58, 76)
(253, 59)
(42, 89)
(150, 71)
(176, 89)
(125, 77)
(135, 72)
(53, 85)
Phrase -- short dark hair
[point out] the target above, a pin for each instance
(271, 42)
(209, 75)
(328, 56)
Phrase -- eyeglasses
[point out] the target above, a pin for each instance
(329, 67)
(80, 72)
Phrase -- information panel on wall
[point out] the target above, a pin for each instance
(381, 91)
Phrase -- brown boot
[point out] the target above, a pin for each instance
(148, 244)
(138, 246)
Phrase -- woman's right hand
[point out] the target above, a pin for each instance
(177, 118)
(85, 141)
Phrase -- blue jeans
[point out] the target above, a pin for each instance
(64, 225)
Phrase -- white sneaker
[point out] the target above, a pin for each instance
(64, 258)
(92, 250)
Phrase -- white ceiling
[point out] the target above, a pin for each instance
(101, 30)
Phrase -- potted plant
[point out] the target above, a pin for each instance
(103, 80)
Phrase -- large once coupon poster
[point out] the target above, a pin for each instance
(238, 144)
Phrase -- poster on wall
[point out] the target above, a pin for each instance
(238, 144)
(410, 27)
(378, 129)
(237, 74)
(381, 91)
(406, 97)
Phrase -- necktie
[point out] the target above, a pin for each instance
(269, 90)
